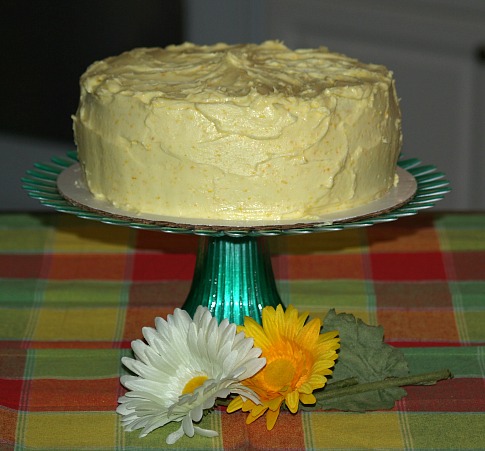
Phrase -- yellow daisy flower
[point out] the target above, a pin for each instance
(298, 359)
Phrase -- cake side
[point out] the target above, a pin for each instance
(237, 132)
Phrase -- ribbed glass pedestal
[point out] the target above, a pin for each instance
(233, 278)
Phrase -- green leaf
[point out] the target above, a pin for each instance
(363, 358)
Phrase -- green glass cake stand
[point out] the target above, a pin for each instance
(233, 275)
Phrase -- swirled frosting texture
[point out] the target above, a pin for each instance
(243, 132)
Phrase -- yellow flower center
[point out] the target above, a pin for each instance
(279, 374)
(194, 383)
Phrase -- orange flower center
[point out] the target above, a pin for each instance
(279, 374)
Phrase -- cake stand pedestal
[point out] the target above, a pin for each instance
(233, 275)
(233, 278)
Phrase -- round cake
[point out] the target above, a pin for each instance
(237, 132)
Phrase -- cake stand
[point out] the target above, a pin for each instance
(233, 275)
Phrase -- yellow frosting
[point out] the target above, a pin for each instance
(237, 131)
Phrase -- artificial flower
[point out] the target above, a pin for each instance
(184, 366)
(298, 359)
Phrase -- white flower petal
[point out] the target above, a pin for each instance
(143, 370)
(177, 350)
(188, 426)
(246, 393)
(126, 378)
(179, 321)
(227, 332)
(229, 361)
(160, 324)
(251, 367)
(205, 432)
(209, 403)
(151, 335)
(197, 413)
(142, 385)
(202, 317)
(243, 346)
(139, 350)
(174, 436)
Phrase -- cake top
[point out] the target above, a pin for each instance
(221, 71)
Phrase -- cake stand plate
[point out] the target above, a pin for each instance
(233, 276)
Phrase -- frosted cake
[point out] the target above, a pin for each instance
(241, 132)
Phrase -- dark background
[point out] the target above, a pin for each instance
(47, 44)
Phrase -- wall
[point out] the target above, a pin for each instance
(45, 47)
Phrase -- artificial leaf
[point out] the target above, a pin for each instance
(364, 358)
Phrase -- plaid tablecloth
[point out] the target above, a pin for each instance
(74, 293)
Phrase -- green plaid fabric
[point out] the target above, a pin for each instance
(74, 293)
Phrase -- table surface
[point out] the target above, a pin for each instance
(74, 293)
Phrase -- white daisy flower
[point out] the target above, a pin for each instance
(184, 366)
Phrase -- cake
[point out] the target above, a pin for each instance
(237, 132)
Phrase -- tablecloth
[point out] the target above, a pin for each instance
(74, 293)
